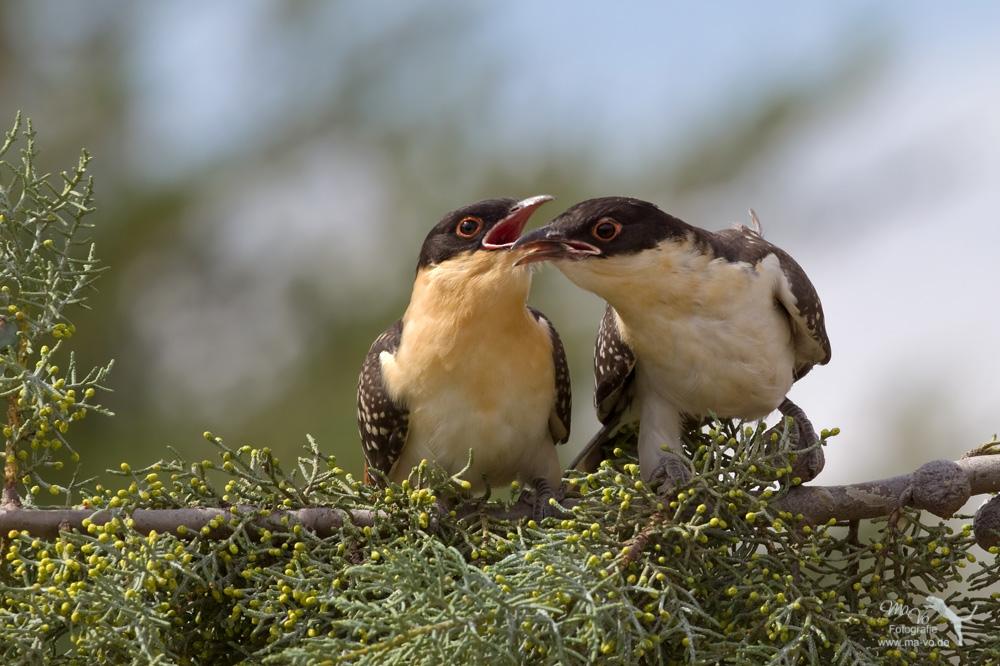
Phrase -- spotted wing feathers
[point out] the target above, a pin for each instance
(381, 422)
(614, 364)
(614, 388)
(562, 411)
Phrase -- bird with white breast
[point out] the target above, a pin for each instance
(697, 323)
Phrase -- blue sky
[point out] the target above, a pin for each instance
(568, 69)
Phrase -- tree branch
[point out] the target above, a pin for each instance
(940, 486)
(183, 523)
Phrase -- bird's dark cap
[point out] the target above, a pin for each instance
(490, 225)
(598, 228)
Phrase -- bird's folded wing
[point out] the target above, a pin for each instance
(614, 379)
(562, 410)
(381, 421)
(796, 294)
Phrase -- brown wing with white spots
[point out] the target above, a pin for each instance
(614, 389)
(381, 422)
(562, 411)
(614, 366)
(797, 296)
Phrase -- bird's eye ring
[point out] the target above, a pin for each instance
(469, 227)
(606, 229)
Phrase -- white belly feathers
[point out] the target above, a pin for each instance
(708, 334)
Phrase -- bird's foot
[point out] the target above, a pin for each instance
(669, 473)
(809, 458)
(442, 509)
(541, 507)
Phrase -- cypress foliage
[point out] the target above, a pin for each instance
(237, 561)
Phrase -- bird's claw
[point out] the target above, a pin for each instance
(441, 509)
(810, 460)
(541, 507)
(669, 473)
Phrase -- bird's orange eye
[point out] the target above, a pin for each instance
(469, 227)
(606, 229)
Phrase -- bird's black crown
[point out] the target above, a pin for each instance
(462, 230)
(618, 225)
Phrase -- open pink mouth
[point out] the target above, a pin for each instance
(509, 229)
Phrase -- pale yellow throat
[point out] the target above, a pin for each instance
(474, 368)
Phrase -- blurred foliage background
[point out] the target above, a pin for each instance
(266, 172)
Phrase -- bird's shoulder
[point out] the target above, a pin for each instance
(794, 291)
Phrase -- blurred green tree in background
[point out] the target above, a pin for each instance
(247, 278)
